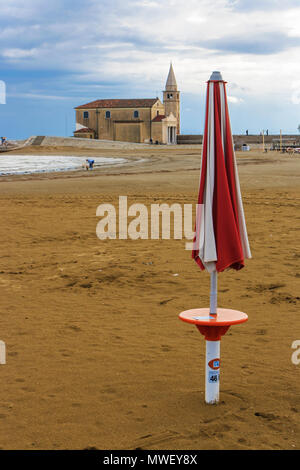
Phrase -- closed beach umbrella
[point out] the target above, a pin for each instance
(221, 240)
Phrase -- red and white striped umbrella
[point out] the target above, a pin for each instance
(221, 241)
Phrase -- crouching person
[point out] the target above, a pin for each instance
(90, 164)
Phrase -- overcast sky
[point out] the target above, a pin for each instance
(59, 54)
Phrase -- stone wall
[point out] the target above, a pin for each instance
(238, 139)
(83, 143)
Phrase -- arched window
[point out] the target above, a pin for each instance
(107, 114)
(135, 114)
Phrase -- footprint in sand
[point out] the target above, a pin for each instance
(28, 389)
(268, 416)
(109, 390)
(74, 328)
(241, 440)
(86, 285)
(163, 302)
(12, 353)
(150, 440)
(260, 288)
(282, 297)
(261, 332)
(245, 370)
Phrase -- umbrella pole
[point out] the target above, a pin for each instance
(212, 370)
(213, 292)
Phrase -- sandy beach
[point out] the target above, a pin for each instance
(96, 354)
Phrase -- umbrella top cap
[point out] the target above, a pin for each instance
(216, 76)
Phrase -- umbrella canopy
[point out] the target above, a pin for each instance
(221, 239)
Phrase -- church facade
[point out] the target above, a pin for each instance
(133, 120)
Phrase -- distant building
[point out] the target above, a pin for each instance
(133, 120)
(85, 133)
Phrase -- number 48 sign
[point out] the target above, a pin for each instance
(214, 376)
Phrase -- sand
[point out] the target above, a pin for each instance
(96, 354)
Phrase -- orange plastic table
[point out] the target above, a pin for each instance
(213, 326)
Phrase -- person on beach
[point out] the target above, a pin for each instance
(3, 140)
(90, 164)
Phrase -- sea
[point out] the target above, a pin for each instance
(28, 164)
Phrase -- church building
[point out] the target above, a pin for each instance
(133, 120)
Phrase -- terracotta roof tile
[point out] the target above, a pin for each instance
(84, 129)
(158, 118)
(120, 103)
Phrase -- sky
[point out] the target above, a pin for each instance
(60, 54)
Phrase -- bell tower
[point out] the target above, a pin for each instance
(172, 97)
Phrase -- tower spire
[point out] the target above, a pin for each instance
(172, 97)
(171, 84)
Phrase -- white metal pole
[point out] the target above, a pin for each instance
(212, 368)
(213, 292)
(212, 372)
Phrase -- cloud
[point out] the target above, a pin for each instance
(235, 99)
(121, 49)
(38, 96)
(295, 92)
(262, 44)
(19, 53)
(147, 4)
(2, 92)
(263, 5)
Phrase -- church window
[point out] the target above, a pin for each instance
(107, 114)
(85, 115)
(136, 114)
(170, 95)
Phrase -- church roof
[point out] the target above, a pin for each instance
(84, 130)
(120, 103)
(171, 84)
(158, 118)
